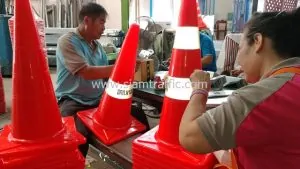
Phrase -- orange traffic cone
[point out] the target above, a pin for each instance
(37, 137)
(201, 24)
(162, 143)
(112, 121)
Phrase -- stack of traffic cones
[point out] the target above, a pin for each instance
(201, 24)
(37, 137)
(160, 148)
(111, 121)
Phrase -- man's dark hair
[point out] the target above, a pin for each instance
(92, 10)
(283, 28)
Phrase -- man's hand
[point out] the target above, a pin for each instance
(137, 65)
(200, 80)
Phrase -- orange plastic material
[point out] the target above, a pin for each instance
(111, 121)
(37, 137)
(183, 63)
(58, 152)
(149, 153)
(160, 148)
(201, 24)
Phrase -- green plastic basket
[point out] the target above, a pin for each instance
(112, 56)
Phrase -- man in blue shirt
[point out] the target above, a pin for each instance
(208, 53)
(81, 67)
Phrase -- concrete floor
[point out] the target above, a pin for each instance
(93, 161)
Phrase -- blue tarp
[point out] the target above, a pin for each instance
(2, 7)
(5, 46)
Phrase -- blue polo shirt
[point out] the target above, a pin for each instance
(207, 48)
(74, 53)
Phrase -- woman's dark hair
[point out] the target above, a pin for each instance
(92, 10)
(283, 28)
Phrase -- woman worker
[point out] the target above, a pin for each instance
(259, 122)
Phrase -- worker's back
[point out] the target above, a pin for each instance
(271, 129)
(260, 120)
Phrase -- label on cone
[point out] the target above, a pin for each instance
(118, 91)
(178, 88)
(187, 37)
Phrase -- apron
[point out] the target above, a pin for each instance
(295, 70)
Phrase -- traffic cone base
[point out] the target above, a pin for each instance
(149, 153)
(60, 160)
(108, 135)
(59, 152)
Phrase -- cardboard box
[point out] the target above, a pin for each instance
(146, 71)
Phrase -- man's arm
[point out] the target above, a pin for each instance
(207, 50)
(95, 72)
(75, 62)
(102, 72)
(206, 60)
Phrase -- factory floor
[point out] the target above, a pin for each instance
(93, 160)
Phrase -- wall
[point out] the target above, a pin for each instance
(36, 5)
(144, 10)
(145, 7)
(164, 11)
(113, 7)
(260, 5)
(222, 8)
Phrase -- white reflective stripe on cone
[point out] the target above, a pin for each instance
(118, 91)
(178, 88)
(187, 37)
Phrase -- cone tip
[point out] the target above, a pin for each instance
(188, 14)
(134, 26)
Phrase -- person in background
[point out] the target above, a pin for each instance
(259, 122)
(208, 53)
(82, 66)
